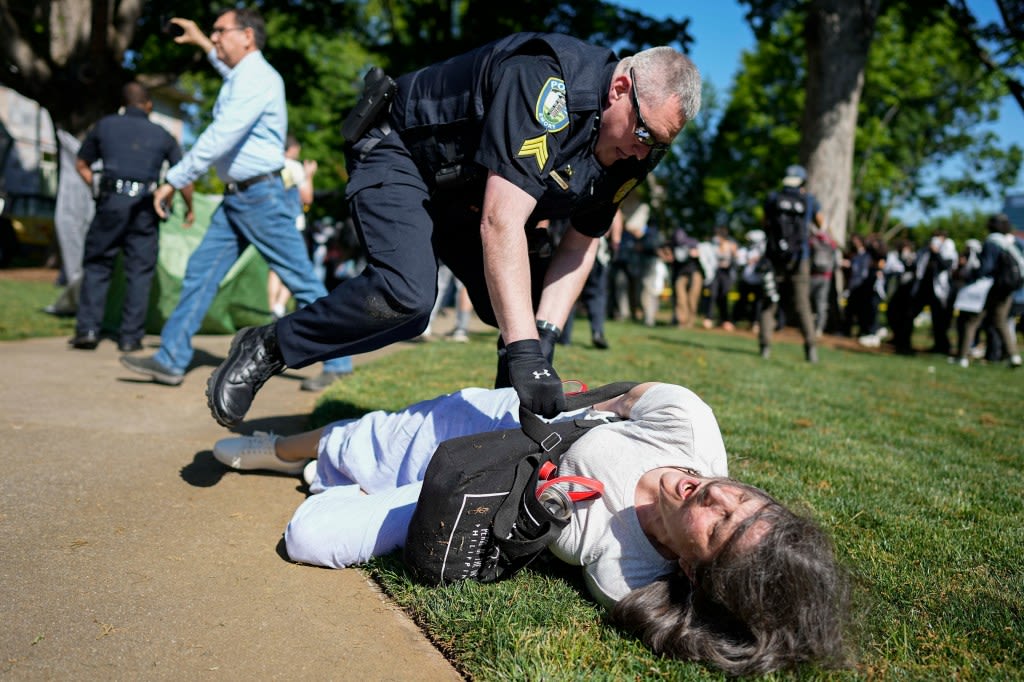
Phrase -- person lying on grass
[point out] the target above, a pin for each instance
(698, 565)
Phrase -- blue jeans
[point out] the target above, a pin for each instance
(259, 216)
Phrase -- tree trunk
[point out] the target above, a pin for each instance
(838, 34)
(73, 66)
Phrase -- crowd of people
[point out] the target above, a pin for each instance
(872, 291)
(504, 174)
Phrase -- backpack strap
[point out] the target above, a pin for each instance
(546, 436)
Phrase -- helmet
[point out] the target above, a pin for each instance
(795, 176)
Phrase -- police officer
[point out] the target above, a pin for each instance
(470, 155)
(788, 215)
(133, 150)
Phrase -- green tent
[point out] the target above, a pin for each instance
(241, 300)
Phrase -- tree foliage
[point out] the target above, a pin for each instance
(919, 137)
(321, 48)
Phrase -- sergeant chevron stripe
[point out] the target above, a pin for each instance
(536, 147)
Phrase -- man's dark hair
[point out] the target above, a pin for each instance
(1000, 223)
(246, 17)
(750, 611)
(134, 94)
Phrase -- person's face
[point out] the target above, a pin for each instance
(629, 125)
(231, 40)
(700, 516)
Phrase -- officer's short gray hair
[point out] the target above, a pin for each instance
(665, 72)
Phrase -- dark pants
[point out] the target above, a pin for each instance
(126, 224)
(404, 232)
(903, 329)
(594, 298)
(795, 287)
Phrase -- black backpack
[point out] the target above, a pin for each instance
(478, 516)
(1007, 276)
(786, 226)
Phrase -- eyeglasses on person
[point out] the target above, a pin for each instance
(642, 131)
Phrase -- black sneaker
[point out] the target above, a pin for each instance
(252, 359)
(599, 341)
(152, 369)
(126, 346)
(811, 354)
(85, 340)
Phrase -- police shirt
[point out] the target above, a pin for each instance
(132, 147)
(527, 107)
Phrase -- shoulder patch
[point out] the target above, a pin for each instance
(626, 188)
(536, 147)
(552, 111)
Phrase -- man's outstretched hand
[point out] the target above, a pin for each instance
(533, 377)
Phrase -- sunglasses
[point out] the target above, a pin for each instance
(642, 131)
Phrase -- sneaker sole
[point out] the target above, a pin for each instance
(157, 377)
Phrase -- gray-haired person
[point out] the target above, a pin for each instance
(698, 565)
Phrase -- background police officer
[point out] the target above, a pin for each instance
(133, 150)
(788, 215)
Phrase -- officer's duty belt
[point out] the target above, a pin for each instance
(126, 187)
(242, 185)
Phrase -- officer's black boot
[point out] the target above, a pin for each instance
(253, 358)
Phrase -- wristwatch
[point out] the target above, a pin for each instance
(544, 325)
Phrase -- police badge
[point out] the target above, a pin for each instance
(552, 112)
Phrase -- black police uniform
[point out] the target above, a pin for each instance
(526, 107)
(133, 150)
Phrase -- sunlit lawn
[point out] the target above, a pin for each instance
(913, 464)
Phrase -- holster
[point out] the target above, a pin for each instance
(378, 92)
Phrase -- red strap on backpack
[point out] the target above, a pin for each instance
(591, 487)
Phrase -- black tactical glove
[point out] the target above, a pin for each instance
(549, 335)
(533, 377)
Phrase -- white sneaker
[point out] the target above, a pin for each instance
(254, 452)
(869, 341)
(964, 362)
(1015, 362)
(309, 472)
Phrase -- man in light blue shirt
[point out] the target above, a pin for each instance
(245, 143)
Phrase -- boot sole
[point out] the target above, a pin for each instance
(211, 382)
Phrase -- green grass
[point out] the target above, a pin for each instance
(915, 466)
(22, 316)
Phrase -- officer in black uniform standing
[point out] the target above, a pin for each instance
(133, 150)
(460, 162)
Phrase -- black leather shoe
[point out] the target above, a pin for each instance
(85, 340)
(129, 346)
(600, 342)
(252, 359)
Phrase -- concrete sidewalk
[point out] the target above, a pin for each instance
(129, 553)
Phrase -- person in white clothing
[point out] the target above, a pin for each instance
(698, 565)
